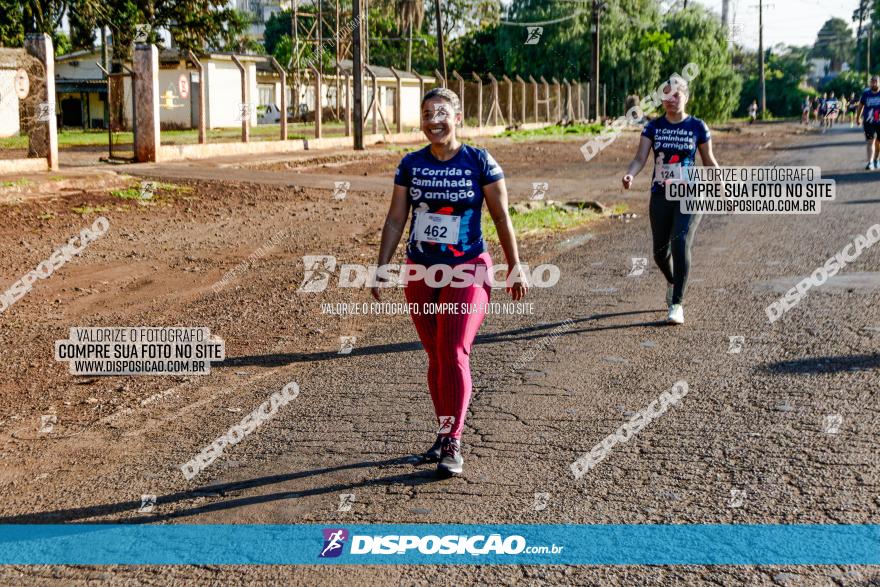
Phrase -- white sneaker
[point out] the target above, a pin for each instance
(676, 314)
(669, 289)
(876, 163)
(870, 165)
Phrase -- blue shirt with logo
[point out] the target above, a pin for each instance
(871, 102)
(453, 187)
(674, 144)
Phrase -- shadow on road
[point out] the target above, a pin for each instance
(419, 477)
(874, 201)
(824, 364)
(853, 177)
(519, 334)
(416, 477)
(817, 145)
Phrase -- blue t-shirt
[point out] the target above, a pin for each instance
(437, 189)
(871, 102)
(675, 147)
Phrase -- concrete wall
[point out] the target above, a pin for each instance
(9, 104)
(179, 116)
(178, 152)
(96, 106)
(410, 107)
(224, 93)
(85, 68)
(17, 166)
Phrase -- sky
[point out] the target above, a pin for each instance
(793, 22)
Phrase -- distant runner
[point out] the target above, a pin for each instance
(805, 112)
(851, 107)
(819, 109)
(753, 111)
(440, 189)
(675, 139)
(869, 113)
(832, 108)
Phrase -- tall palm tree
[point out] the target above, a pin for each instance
(410, 14)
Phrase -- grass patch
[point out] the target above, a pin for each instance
(148, 197)
(98, 138)
(129, 193)
(545, 220)
(84, 210)
(555, 131)
(173, 187)
(15, 183)
(47, 216)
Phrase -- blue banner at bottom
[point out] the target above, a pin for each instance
(136, 544)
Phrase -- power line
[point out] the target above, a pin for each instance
(543, 22)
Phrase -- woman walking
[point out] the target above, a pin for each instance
(440, 190)
(675, 139)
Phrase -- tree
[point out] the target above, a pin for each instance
(834, 42)
(230, 35)
(11, 24)
(82, 30)
(786, 68)
(277, 28)
(845, 84)
(193, 24)
(860, 14)
(410, 14)
(43, 16)
(639, 48)
(699, 37)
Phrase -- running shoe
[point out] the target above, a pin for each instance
(876, 163)
(870, 165)
(669, 289)
(676, 314)
(451, 461)
(433, 453)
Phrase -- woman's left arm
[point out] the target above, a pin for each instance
(707, 155)
(496, 201)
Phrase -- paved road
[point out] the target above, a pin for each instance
(748, 444)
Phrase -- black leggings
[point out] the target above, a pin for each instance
(673, 234)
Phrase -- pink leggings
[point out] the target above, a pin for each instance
(447, 338)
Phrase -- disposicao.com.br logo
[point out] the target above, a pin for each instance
(319, 269)
(476, 545)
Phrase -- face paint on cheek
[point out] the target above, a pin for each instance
(441, 114)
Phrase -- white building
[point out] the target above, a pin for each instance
(9, 103)
(82, 91)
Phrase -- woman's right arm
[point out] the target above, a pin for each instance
(395, 223)
(638, 162)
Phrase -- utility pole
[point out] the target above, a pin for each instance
(365, 40)
(725, 14)
(294, 56)
(861, 12)
(598, 5)
(319, 53)
(440, 50)
(869, 51)
(358, 74)
(761, 58)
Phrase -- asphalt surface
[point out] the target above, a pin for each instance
(782, 431)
